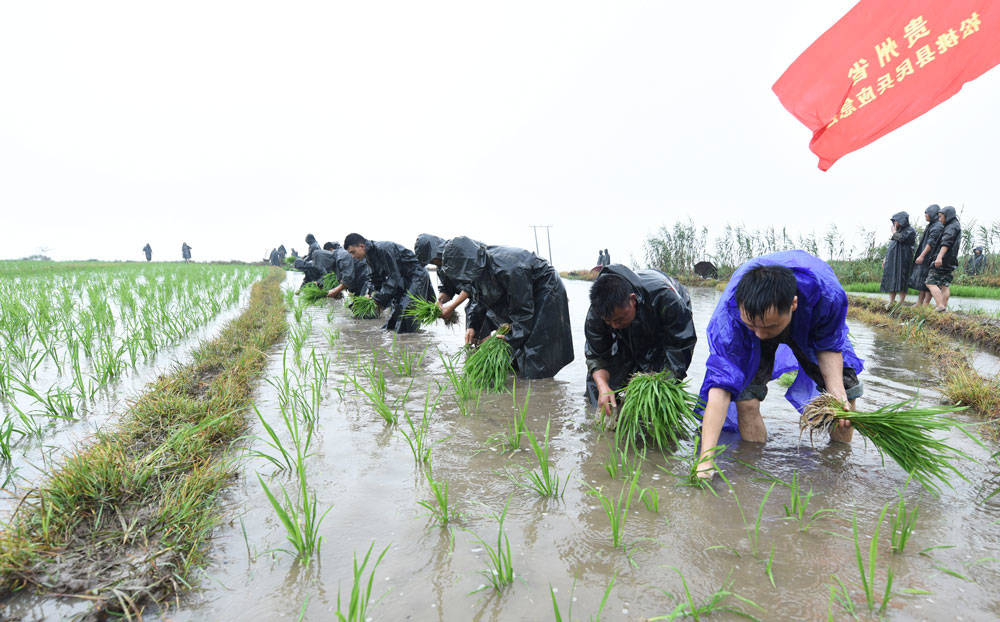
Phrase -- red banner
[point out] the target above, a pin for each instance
(885, 63)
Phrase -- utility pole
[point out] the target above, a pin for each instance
(548, 237)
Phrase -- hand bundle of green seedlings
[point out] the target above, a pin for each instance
(312, 292)
(487, 367)
(425, 312)
(658, 406)
(363, 307)
(329, 281)
(903, 432)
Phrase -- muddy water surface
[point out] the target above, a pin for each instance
(366, 473)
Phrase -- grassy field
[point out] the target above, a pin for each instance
(962, 291)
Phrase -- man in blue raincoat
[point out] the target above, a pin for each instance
(780, 312)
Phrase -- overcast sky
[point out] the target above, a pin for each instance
(237, 126)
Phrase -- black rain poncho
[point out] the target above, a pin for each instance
(313, 247)
(951, 236)
(661, 337)
(428, 248)
(320, 263)
(899, 256)
(520, 288)
(274, 258)
(282, 253)
(148, 250)
(396, 276)
(976, 262)
(930, 237)
(185, 251)
(353, 273)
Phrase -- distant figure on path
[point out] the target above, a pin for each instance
(928, 241)
(600, 259)
(148, 250)
(186, 251)
(898, 262)
(976, 262)
(396, 277)
(945, 258)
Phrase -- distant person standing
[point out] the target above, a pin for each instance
(928, 241)
(976, 262)
(945, 258)
(607, 258)
(898, 262)
(282, 253)
(600, 259)
(148, 250)
(186, 251)
(274, 258)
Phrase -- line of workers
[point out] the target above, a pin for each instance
(781, 312)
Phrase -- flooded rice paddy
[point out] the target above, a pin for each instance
(365, 472)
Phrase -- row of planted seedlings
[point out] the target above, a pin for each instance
(657, 418)
(68, 337)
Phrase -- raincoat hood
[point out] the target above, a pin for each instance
(932, 211)
(949, 214)
(310, 239)
(428, 247)
(464, 261)
(978, 250)
(903, 218)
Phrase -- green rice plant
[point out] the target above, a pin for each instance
(417, 437)
(716, 603)
(362, 307)
(361, 593)
(755, 529)
(329, 281)
(621, 461)
(299, 518)
(569, 612)
(6, 441)
(545, 481)
(401, 360)
(297, 310)
(658, 406)
(442, 512)
(332, 336)
(499, 569)
(691, 463)
(902, 431)
(617, 509)
(902, 523)
(289, 296)
(488, 365)
(284, 459)
(312, 293)
(461, 387)
(867, 576)
(425, 312)
(511, 439)
(798, 504)
(651, 499)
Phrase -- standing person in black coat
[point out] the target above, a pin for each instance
(898, 262)
(185, 251)
(976, 262)
(148, 250)
(945, 258)
(396, 277)
(637, 322)
(928, 242)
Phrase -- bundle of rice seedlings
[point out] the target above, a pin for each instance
(311, 292)
(329, 281)
(426, 312)
(900, 430)
(657, 406)
(363, 307)
(487, 366)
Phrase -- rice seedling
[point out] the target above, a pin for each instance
(569, 612)
(902, 523)
(658, 406)
(312, 293)
(499, 570)
(329, 281)
(363, 307)
(361, 593)
(867, 576)
(461, 387)
(900, 430)
(650, 497)
(425, 312)
(715, 603)
(692, 462)
(297, 310)
(621, 461)
(332, 336)
(300, 518)
(511, 439)
(798, 504)
(417, 437)
(617, 509)
(442, 512)
(488, 365)
(284, 459)
(545, 481)
(401, 360)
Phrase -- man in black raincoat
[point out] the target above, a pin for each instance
(186, 251)
(521, 289)
(148, 250)
(352, 274)
(898, 262)
(274, 259)
(928, 242)
(396, 277)
(976, 262)
(638, 322)
(282, 253)
(314, 266)
(429, 249)
(945, 258)
(313, 245)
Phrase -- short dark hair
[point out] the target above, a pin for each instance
(310, 238)
(609, 292)
(329, 246)
(764, 287)
(353, 239)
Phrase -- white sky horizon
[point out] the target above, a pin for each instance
(239, 126)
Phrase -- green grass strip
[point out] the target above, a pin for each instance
(962, 291)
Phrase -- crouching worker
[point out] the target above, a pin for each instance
(396, 276)
(429, 250)
(781, 312)
(352, 274)
(516, 287)
(638, 322)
